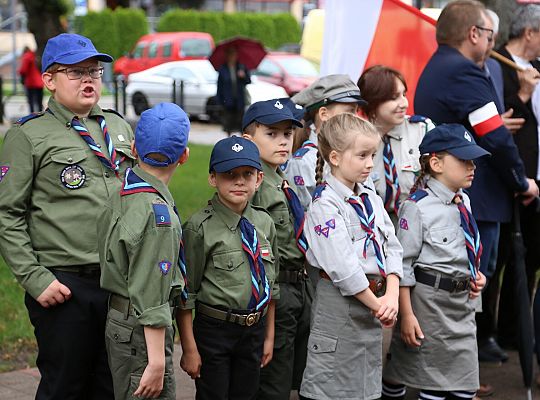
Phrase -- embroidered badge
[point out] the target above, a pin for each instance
(237, 148)
(278, 105)
(3, 171)
(331, 223)
(164, 267)
(298, 107)
(265, 252)
(73, 177)
(403, 224)
(161, 213)
(298, 180)
(325, 231)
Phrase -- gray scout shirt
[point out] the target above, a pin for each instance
(431, 235)
(336, 238)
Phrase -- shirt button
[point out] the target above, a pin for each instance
(99, 146)
(70, 159)
(445, 240)
(411, 151)
(281, 220)
(229, 264)
(315, 347)
(116, 336)
(68, 125)
(106, 174)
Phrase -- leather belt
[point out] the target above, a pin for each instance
(240, 319)
(90, 270)
(292, 276)
(121, 304)
(437, 281)
(377, 284)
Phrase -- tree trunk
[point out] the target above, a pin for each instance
(44, 20)
(505, 10)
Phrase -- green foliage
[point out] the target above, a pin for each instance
(189, 186)
(113, 32)
(272, 30)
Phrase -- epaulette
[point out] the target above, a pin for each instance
(301, 152)
(24, 120)
(417, 118)
(317, 193)
(259, 208)
(418, 195)
(110, 110)
(198, 218)
(283, 166)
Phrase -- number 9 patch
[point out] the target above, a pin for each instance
(161, 213)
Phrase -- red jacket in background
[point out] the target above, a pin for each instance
(30, 72)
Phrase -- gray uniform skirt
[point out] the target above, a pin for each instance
(447, 360)
(344, 349)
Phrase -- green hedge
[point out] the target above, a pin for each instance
(113, 32)
(272, 30)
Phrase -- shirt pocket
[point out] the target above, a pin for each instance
(269, 262)
(228, 268)
(443, 236)
(70, 168)
(356, 232)
(284, 228)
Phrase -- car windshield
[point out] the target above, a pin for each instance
(298, 66)
(195, 48)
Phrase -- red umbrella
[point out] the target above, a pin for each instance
(250, 52)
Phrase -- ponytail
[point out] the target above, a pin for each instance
(319, 168)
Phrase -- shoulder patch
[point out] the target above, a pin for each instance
(301, 152)
(161, 214)
(417, 118)
(24, 120)
(317, 193)
(110, 110)
(418, 195)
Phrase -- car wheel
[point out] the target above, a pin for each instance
(213, 110)
(140, 103)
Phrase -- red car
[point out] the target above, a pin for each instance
(290, 71)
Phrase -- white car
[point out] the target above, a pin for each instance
(158, 84)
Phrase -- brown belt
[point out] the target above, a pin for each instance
(376, 285)
(240, 319)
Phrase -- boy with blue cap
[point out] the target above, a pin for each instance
(434, 342)
(269, 124)
(142, 262)
(231, 257)
(57, 170)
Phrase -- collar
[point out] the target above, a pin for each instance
(441, 191)
(342, 190)
(229, 217)
(396, 132)
(272, 176)
(65, 116)
(162, 189)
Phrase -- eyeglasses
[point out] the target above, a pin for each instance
(489, 31)
(78, 72)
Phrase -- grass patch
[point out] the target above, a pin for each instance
(190, 189)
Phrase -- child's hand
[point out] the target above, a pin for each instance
(388, 311)
(191, 363)
(476, 289)
(151, 383)
(410, 330)
(268, 351)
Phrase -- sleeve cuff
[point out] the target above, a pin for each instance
(275, 291)
(190, 302)
(394, 265)
(356, 283)
(156, 316)
(408, 278)
(38, 282)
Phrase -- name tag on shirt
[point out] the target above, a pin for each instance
(161, 212)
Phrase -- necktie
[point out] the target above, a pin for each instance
(250, 244)
(472, 236)
(391, 178)
(367, 221)
(112, 162)
(182, 263)
(298, 216)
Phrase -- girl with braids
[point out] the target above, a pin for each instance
(396, 161)
(434, 343)
(353, 245)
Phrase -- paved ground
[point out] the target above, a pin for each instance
(21, 385)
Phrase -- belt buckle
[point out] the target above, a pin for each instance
(251, 319)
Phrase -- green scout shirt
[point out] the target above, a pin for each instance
(52, 188)
(139, 245)
(217, 267)
(271, 197)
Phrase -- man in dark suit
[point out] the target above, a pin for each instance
(454, 89)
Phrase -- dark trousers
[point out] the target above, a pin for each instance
(231, 358)
(71, 348)
(293, 312)
(35, 99)
(489, 235)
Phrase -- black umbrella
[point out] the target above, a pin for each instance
(522, 303)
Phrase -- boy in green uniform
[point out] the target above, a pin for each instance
(57, 169)
(231, 253)
(140, 247)
(269, 125)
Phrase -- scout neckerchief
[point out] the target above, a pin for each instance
(298, 216)
(135, 184)
(472, 236)
(391, 177)
(367, 221)
(113, 162)
(250, 244)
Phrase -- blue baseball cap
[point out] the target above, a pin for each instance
(454, 139)
(297, 110)
(163, 129)
(234, 152)
(68, 49)
(269, 112)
